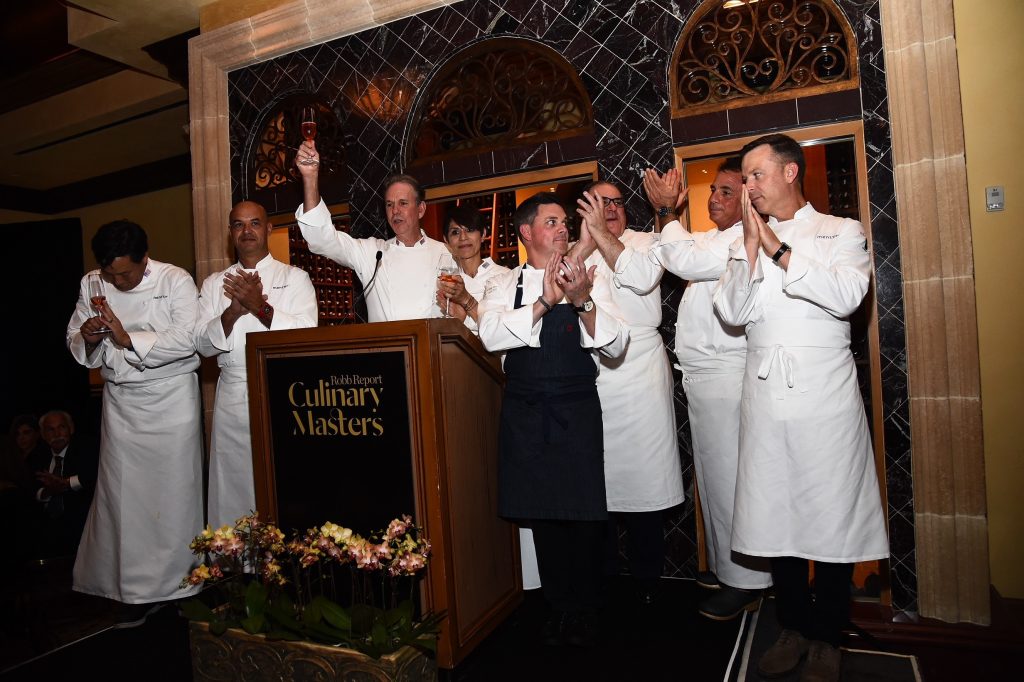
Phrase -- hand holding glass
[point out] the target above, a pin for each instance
(308, 128)
(97, 296)
(446, 271)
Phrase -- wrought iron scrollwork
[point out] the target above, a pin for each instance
(756, 48)
(273, 155)
(499, 93)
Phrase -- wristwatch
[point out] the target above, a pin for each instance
(587, 306)
(665, 211)
(783, 248)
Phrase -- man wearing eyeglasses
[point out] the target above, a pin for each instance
(711, 358)
(641, 457)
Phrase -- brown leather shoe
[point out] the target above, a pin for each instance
(822, 663)
(783, 656)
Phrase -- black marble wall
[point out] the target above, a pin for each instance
(621, 50)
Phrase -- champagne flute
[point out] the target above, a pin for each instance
(97, 295)
(308, 128)
(447, 269)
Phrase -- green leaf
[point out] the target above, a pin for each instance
(254, 624)
(427, 642)
(283, 618)
(311, 614)
(400, 616)
(362, 618)
(379, 635)
(197, 610)
(218, 627)
(255, 599)
(333, 613)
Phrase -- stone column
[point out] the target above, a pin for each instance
(942, 331)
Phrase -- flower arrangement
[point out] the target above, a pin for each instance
(290, 590)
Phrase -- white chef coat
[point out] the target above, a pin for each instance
(405, 286)
(641, 454)
(476, 285)
(806, 485)
(289, 291)
(503, 328)
(147, 505)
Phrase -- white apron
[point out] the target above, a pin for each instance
(641, 453)
(713, 403)
(147, 506)
(231, 493)
(806, 485)
(641, 456)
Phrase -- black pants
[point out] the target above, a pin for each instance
(823, 618)
(645, 544)
(569, 561)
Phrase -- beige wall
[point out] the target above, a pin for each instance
(993, 108)
(166, 215)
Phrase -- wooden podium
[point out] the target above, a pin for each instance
(357, 424)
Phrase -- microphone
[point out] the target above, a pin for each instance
(366, 289)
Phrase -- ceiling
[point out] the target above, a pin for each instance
(95, 101)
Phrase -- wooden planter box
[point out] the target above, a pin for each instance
(237, 655)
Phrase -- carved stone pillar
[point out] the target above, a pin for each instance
(942, 331)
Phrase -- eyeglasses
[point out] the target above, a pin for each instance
(618, 201)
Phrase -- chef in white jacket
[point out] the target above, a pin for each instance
(712, 356)
(807, 489)
(256, 294)
(549, 320)
(464, 232)
(399, 275)
(641, 455)
(148, 501)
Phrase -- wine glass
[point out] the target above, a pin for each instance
(97, 294)
(308, 128)
(447, 268)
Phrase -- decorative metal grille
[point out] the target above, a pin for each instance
(273, 156)
(497, 94)
(762, 49)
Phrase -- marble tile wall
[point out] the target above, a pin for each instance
(621, 49)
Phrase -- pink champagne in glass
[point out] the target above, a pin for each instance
(309, 130)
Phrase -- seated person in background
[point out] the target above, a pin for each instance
(25, 434)
(17, 508)
(398, 275)
(24, 442)
(464, 232)
(65, 473)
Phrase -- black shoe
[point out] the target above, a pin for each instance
(134, 615)
(708, 580)
(554, 629)
(729, 602)
(582, 631)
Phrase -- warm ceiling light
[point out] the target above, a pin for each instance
(733, 4)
